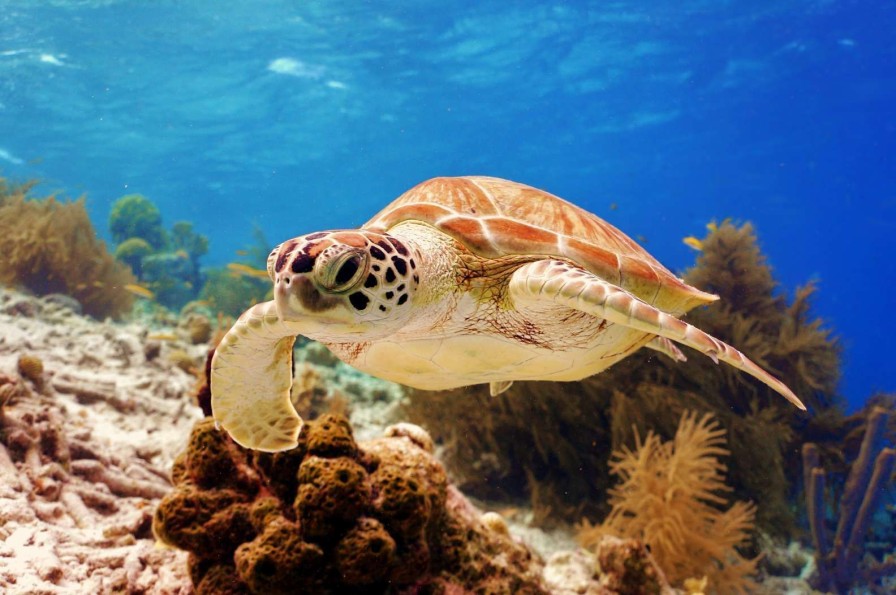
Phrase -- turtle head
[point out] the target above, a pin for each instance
(344, 285)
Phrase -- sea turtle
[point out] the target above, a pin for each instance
(458, 281)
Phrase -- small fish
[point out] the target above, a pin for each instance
(244, 269)
(693, 243)
(613, 206)
(139, 290)
(163, 337)
(242, 252)
(712, 226)
(182, 254)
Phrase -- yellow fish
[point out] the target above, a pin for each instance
(163, 337)
(244, 269)
(693, 242)
(242, 252)
(712, 226)
(139, 290)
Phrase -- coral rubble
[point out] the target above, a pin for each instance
(89, 426)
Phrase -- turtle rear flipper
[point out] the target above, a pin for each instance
(569, 286)
(250, 381)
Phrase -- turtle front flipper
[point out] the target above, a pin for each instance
(572, 287)
(250, 381)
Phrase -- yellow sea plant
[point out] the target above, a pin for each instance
(671, 496)
(50, 246)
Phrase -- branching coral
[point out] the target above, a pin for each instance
(669, 495)
(50, 246)
(838, 562)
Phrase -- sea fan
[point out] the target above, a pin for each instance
(670, 495)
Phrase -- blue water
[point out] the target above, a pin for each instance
(299, 116)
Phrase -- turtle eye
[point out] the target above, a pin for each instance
(344, 272)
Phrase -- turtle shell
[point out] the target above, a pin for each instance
(493, 218)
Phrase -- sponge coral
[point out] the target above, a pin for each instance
(50, 246)
(669, 496)
(333, 516)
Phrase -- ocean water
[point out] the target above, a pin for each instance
(658, 116)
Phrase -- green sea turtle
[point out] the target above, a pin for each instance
(458, 281)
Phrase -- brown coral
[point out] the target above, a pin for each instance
(669, 496)
(50, 246)
(334, 516)
(32, 368)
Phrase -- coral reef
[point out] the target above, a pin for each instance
(49, 246)
(233, 289)
(232, 294)
(669, 496)
(337, 516)
(166, 263)
(136, 217)
(548, 441)
(332, 514)
(132, 251)
(88, 427)
(837, 563)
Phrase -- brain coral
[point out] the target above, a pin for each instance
(333, 516)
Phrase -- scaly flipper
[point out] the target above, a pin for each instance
(667, 348)
(496, 388)
(564, 284)
(250, 381)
